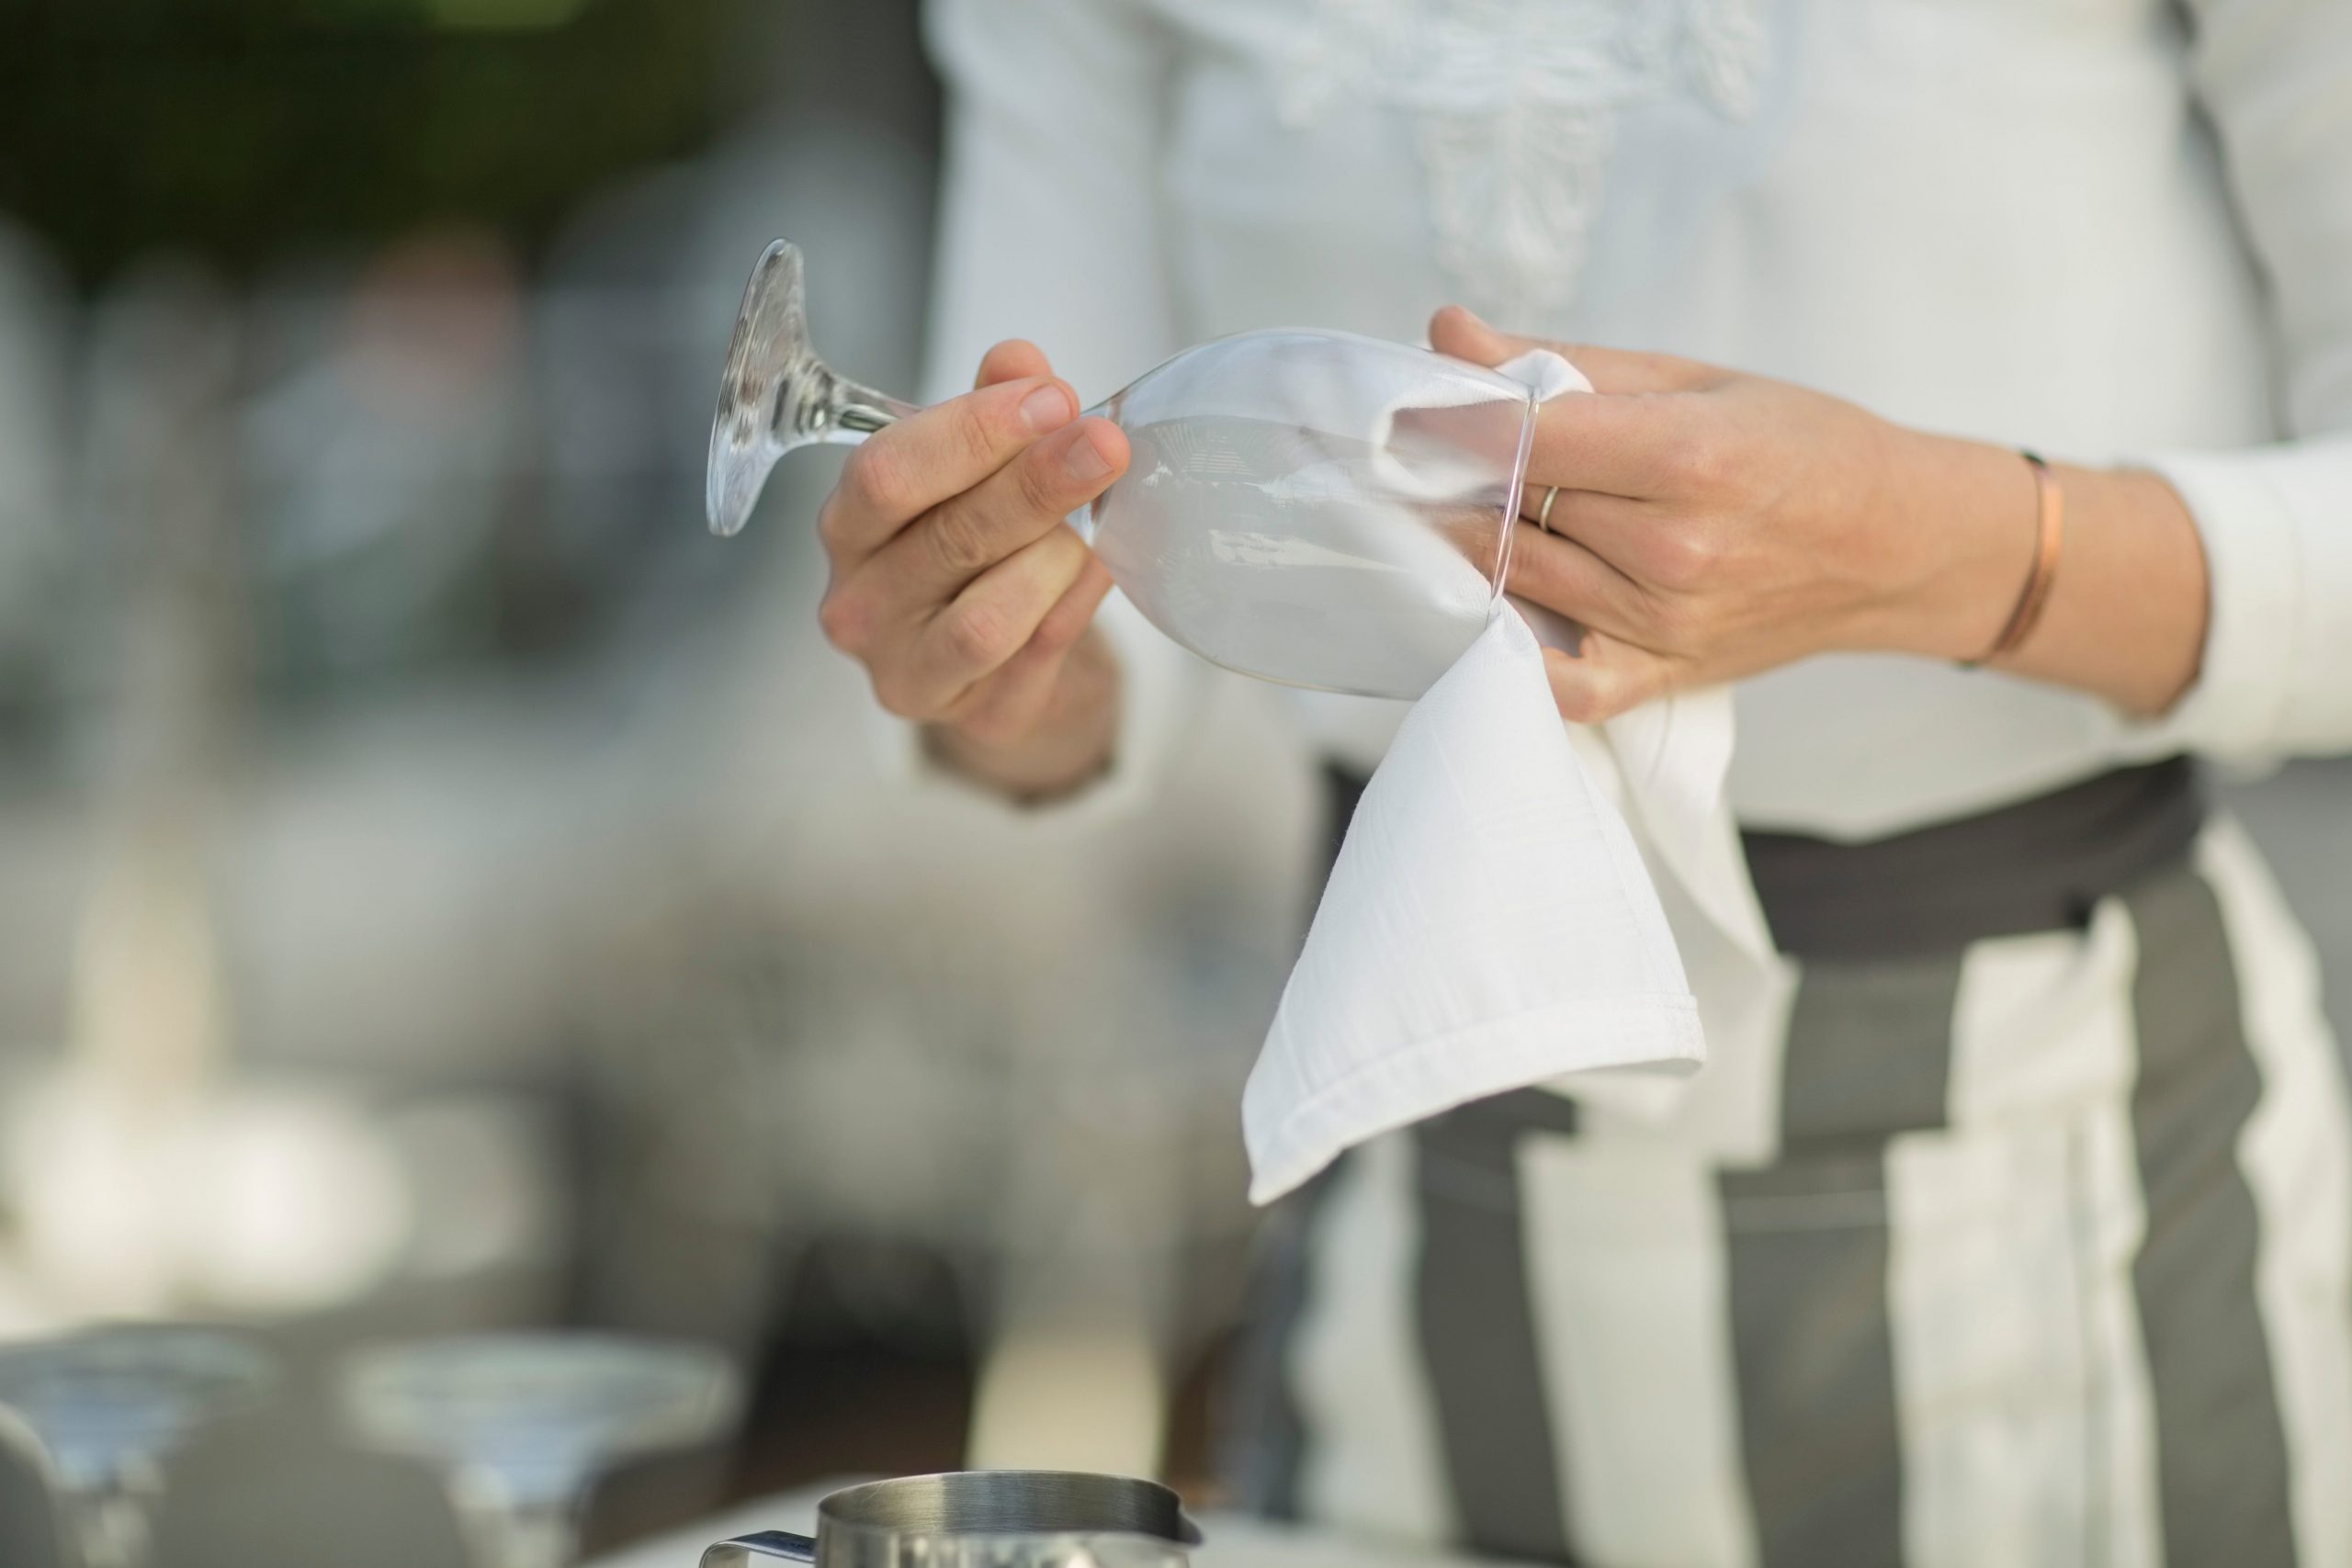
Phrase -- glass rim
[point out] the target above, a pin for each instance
(1514, 493)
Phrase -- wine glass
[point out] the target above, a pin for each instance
(1313, 508)
(109, 1403)
(523, 1424)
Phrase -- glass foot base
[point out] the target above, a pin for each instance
(775, 394)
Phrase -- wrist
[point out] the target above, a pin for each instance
(1970, 513)
(2128, 619)
(1070, 746)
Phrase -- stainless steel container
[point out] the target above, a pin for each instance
(984, 1519)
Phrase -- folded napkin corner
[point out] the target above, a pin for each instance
(1488, 925)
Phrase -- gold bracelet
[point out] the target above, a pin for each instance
(2051, 533)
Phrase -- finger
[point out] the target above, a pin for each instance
(1584, 514)
(1631, 439)
(942, 451)
(1615, 371)
(1604, 678)
(1566, 577)
(1619, 529)
(982, 630)
(1663, 548)
(1012, 702)
(1010, 361)
(935, 558)
(1637, 444)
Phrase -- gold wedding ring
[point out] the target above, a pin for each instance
(1544, 512)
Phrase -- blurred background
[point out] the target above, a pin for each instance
(443, 891)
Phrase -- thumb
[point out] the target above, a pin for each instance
(1014, 360)
(1461, 332)
(1604, 678)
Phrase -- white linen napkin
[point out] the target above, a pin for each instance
(1492, 923)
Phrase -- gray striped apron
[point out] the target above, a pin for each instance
(2022, 1239)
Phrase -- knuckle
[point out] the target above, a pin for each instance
(1041, 489)
(875, 478)
(841, 617)
(958, 540)
(979, 634)
(976, 442)
(1686, 556)
(831, 532)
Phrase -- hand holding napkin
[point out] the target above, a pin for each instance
(1491, 921)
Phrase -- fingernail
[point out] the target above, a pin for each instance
(1084, 460)
(1045, 408)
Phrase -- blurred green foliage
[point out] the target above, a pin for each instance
(243, 127)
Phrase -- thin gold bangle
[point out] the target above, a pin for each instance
(2049, 539)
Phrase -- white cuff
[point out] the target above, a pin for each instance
(2236, 709)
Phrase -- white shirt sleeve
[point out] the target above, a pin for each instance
(1050, 230)
(2275, 77)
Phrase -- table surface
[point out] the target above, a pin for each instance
(1230, 1541)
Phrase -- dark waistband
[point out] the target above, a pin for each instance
(2037, 865)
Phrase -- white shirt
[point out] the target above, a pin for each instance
(2009, 220)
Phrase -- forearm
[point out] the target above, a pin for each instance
(2125, 620)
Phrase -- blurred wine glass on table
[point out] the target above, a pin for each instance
(107, 1406)
(523, 1424)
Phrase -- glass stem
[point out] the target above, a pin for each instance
(816, 403)
(541, 1538)
(110, 1527)
(500, 1534)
